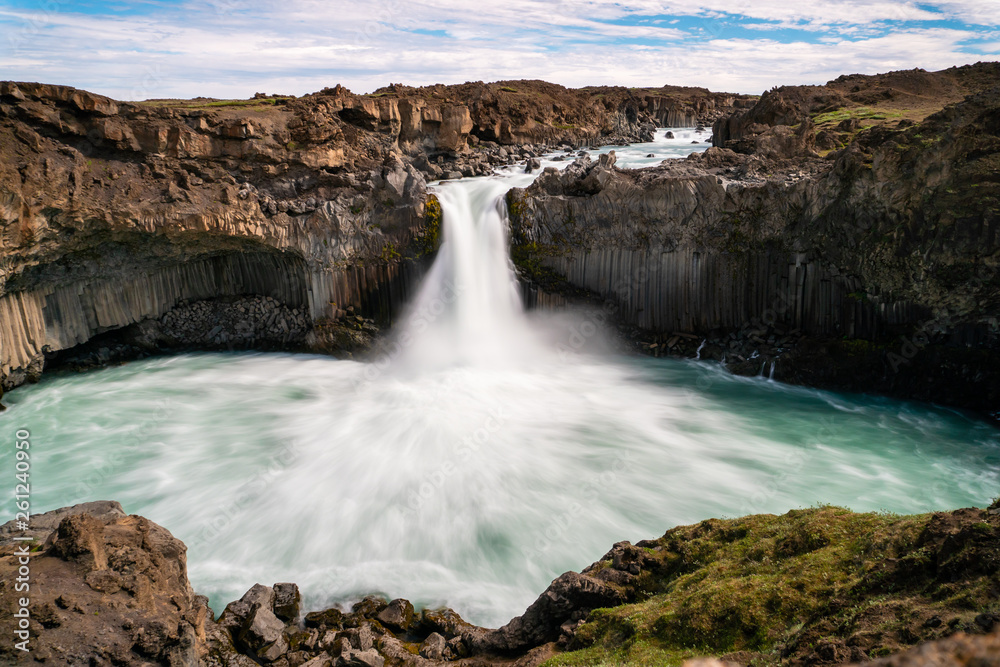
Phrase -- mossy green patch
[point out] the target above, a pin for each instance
(859, 113)
(389, 252)
(429, 238)
(775, 587)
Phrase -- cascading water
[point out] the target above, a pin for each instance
(468, 310)
(491, 454)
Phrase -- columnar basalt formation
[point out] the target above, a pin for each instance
(113, 213)
(883, 251)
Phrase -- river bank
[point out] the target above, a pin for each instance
(812, 587)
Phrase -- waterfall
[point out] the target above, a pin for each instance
(468, 310)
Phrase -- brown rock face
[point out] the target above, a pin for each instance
(106, 588)
(569, 598)
(959, 650)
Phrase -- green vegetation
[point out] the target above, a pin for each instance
(563, 127)
(781, 588)
(430, 236)
(508, 89)
(528, 258)
(861, 297)
(860, 114)
(389, 252)
(859, 346)
(246, 103)
(515, 208)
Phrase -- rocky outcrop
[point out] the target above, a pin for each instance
(960, 650)
(104, 588)
(848, 102)
(882, 254)
(673, 106)
(107, 588)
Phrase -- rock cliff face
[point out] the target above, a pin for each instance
(112, 214)
(885, 249)
(846, 232)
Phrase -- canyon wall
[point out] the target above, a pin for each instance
(114, 213)
(861, 213)
(883, 254)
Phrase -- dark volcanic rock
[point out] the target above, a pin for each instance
(398, 616)
(286, 602)
(315, 202)
(570, 594)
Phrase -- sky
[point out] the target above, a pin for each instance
(235, 48)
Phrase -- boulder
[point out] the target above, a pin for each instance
(330, 618)
(318, 661)
(398, 616)
(236, 613)
(370, 606)
(361, 638)
(433, 647)
(261, 629)
(274, 650)
(286, 602)
(369, 658)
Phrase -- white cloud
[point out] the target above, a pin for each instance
(233, 48)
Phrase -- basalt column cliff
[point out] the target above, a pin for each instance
(844, 236)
